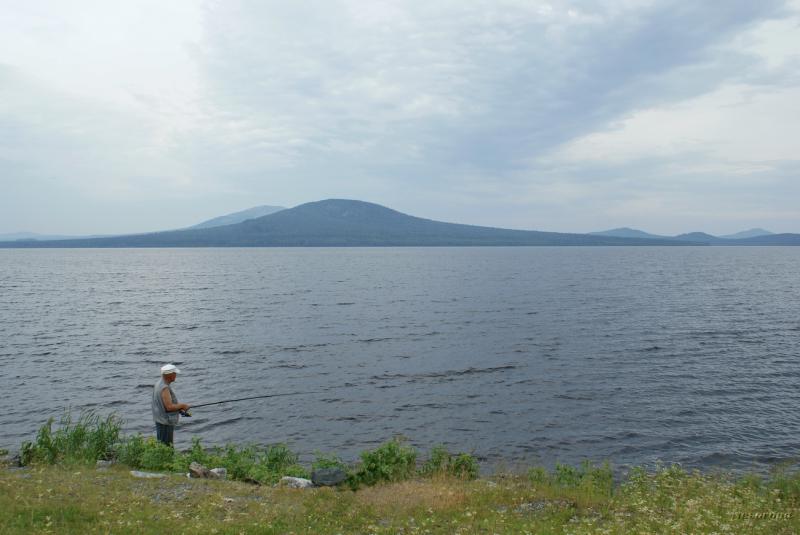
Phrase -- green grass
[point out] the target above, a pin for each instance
(62, 492)
(86, 439)
(91, 438)
(61, 499)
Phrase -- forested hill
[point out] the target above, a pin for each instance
(338, 222)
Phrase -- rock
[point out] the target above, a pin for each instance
(328, 477)
(296, 482)
(11, 460)
(541, 505)
(218, 473)
(198, 470)
(103, 465)
(146, 475)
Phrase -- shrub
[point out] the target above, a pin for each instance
(590, 479)
(86, 440)
(130, 451)
(392, 461)
(265, 465)
(157, 455)
(323, 461)
(437, 463)
(539, 475)
(442, 462)
(195, 454)
(279, 461)
(279, 457)
(463, 465)
(147, 453)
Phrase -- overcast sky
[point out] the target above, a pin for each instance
(669, 116)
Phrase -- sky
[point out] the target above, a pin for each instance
(574, 116)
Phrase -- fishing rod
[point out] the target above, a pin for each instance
(188, 414)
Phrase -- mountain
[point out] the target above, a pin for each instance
(13, 236)
(699, 237)
(625, 232)
(238, 217)
(338, 222)
(752, 233)
(229, 219)
(770, 239)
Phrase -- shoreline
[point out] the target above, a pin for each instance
(77, 498)
(66, 486)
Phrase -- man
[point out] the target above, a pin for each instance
(166, 408)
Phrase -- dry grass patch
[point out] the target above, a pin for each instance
(405, 496)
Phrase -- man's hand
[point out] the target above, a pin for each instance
(169, 406)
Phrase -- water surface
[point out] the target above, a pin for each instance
(521, 354)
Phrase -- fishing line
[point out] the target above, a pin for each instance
(256, 397)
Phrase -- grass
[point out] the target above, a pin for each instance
(91, 438)
(60, 499)
(61, 491)
(86, 439)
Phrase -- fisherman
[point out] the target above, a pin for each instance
(166, 409)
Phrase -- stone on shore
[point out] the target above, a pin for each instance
(12, 460)
(198, 470)
(146, 475)
(328, 477)
(296, 482)
(218, 473)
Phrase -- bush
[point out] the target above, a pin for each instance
(130, 451)
(86, 440)
(592, 480)
(392, 461)
(157, 455)
(463, 465)
(265, 465)
(276, 462)
(145, 453)
(323, 461)
(442, 462)
(195, 454)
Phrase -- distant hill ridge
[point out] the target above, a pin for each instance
(701, 237)
(238, 217)
(343, 222)
(751, 233)
(13, 236)
(228, 219)
(625, 232)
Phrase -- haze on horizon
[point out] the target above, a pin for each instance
(666, 116)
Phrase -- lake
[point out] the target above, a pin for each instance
(517, 355)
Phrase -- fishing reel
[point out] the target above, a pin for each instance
(185, 414)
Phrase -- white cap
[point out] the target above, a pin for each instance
(168, 369)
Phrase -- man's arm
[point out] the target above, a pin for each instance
(169, 406)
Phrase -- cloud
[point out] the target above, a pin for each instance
(50, 136)
(556, 115)
(481, 85)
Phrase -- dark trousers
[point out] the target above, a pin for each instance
(165, 433)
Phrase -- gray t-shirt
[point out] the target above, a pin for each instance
(160, 414)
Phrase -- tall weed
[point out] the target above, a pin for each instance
(442, 462)
(87, 439)
(391, 461)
